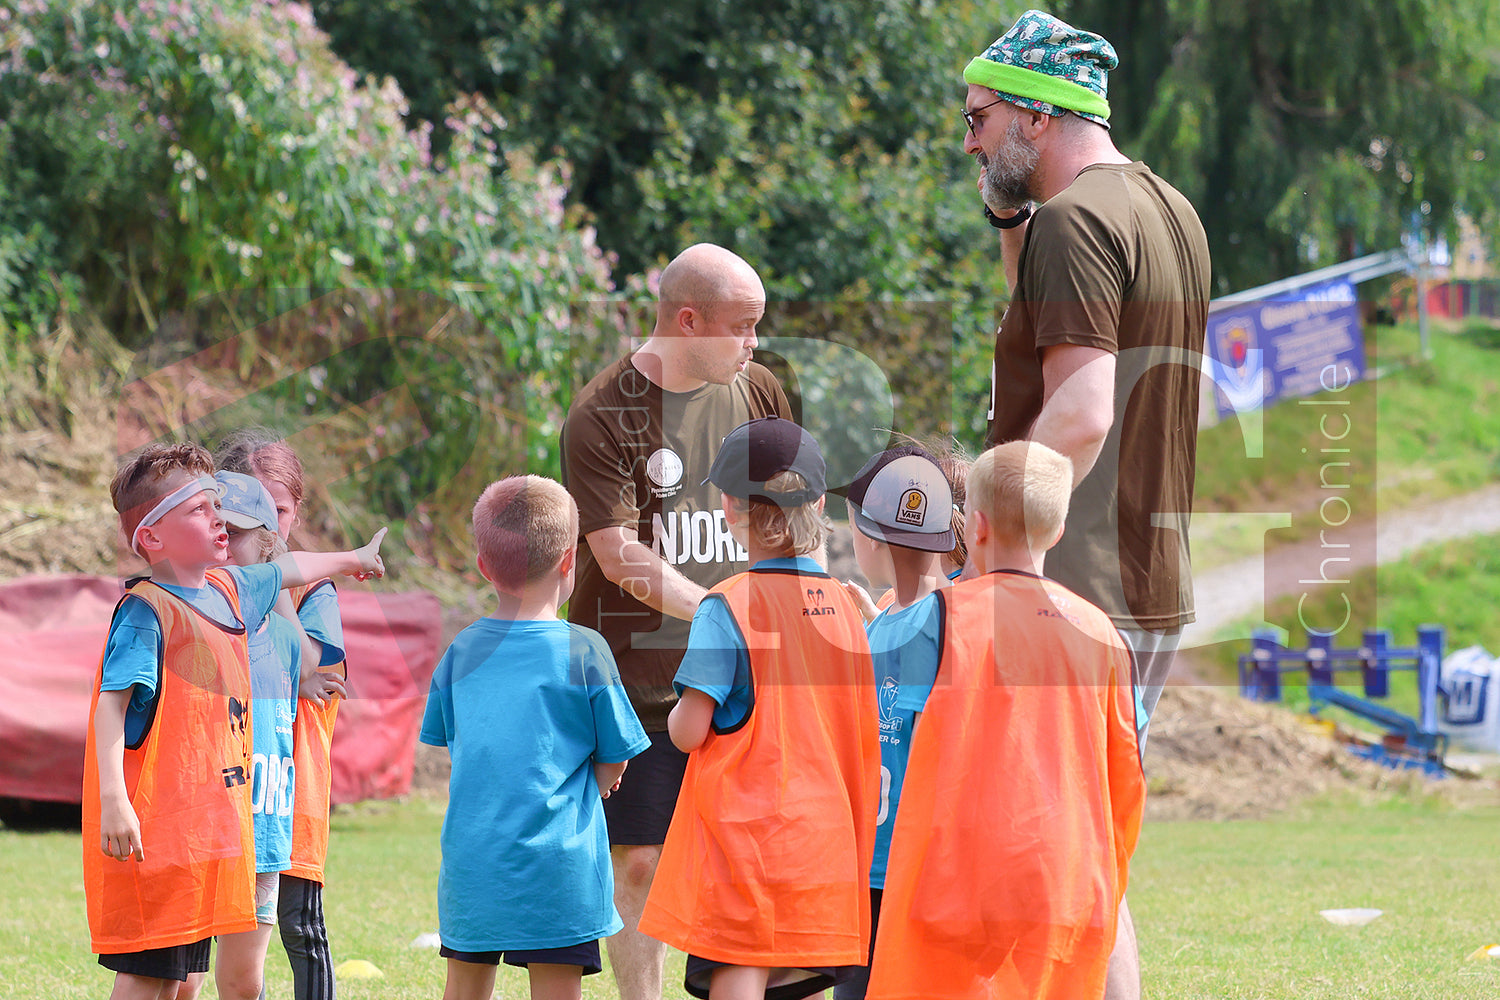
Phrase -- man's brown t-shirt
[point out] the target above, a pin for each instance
(1117, 261)
(635, 456)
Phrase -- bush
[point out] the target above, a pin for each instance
(160, 156)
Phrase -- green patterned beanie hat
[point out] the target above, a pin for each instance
(1048, 66)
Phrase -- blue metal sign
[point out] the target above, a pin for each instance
(1296, 344)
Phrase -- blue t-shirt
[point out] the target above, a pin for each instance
(525, 709)
(901, 642)
(319, 615)
(275, 667)
(132, 651)
(717, 659)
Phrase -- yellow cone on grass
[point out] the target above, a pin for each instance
(357, 968)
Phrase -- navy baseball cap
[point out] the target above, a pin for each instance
(760, 450)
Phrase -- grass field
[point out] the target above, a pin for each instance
(1225, 910)
(1422, 432)
(1455, 584)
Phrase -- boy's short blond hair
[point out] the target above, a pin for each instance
(140, 481)
(1023, 488)
(798, 530)
(522, 527)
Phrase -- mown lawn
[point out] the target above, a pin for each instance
(1224, 910)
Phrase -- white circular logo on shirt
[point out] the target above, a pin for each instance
(664, 467)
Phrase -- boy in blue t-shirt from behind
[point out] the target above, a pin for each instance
(901, 510)
(539, 728)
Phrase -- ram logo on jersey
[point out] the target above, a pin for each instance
(698, 536)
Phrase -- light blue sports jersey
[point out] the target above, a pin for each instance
(132, 650)
(901, 642)
(275, 665)
(526, 708)
(319, 615)
(717, 660)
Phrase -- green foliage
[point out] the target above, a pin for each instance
(820, 141)
(170, 167)
(162, 156)
(1308, 133)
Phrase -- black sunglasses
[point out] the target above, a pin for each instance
(969, 115)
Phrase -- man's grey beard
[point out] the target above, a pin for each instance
(1007, 177)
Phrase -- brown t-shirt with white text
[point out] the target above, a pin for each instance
(635, 456)
(1117, 261)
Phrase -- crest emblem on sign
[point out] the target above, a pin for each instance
(1238, 365)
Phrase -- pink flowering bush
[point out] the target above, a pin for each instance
(159, 158)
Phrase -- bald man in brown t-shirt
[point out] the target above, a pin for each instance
(637, 445)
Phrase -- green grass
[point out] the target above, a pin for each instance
(1224, 910)
(1455, 584)
(1422, 432)
(1229, 911)
(381, 893)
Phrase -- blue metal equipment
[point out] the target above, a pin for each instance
(1408, 742)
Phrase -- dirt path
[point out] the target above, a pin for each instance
(1227, 593)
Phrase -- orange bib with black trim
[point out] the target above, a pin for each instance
(313, 765)
(767, 859)
(1021, 805)
(188, 781)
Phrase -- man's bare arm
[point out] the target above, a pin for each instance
(631, 565)
(1078, 403)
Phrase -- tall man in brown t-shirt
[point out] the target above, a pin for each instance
(1098, 354)
(637, 446)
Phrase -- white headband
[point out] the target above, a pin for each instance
(172, 500)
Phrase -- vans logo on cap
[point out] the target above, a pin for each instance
(913, 508)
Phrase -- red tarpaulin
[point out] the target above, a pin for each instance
(52, 632)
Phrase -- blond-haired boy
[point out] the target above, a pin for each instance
(539, 728)
(763, 876)
(167, 761)
(1024, 791)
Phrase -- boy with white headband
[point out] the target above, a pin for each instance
(166, 793)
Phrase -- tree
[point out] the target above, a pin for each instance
(814, 137)
(1304, 132)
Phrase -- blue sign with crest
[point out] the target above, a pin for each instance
(1291, 345)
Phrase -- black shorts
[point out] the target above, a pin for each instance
(584, 955)
(858, 981)
(177, 962)
(699, 975)
(640, 812)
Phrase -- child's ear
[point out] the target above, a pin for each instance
(980, 524)
(149, 539)
(568, 561)
(484, 570)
